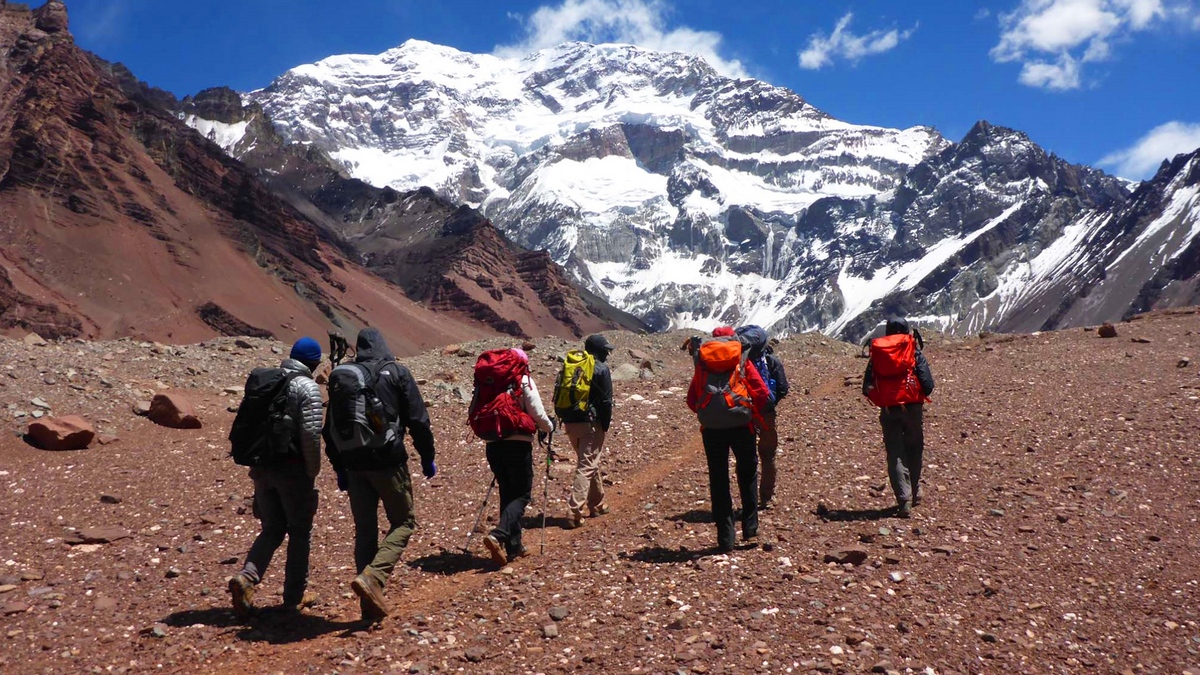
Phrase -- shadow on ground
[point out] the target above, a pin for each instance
(449, 562)
(843, 515)
(657, 555)
(270, 625)
(693, 516)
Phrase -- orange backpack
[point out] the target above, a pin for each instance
(893, 362)
(723, 398)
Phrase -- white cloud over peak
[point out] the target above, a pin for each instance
(823, 49)
(638, 22)
(1051, 38)
(1141, 159)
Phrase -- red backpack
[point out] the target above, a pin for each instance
(893, 361)
(719, 394)
(495, 411)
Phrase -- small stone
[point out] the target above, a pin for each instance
(559, 613)
(996, 512)
(989, 637)
(104, 604)
(475, 654)
(141, 408)
(881, 667)
(232, 560)
(173, 411)
(157, 631)
(1183, 363)
(98, 535)
(1107, 330)
(107, 439)
(810, 579)
(173, 573)
(32, 575)
(14, 608)
(7, 588)
(897, 577)
(550, 630)
(110, 499)
(39, 403)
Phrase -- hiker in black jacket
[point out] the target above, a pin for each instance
(771, 369)
(903, 425)
(374, 475)
(587, 436)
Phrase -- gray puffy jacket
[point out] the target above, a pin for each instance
(304, 399)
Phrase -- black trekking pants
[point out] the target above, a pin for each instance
(717, 445)
(512, 463)
(904, 438)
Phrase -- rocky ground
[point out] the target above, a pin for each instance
(1059, 535)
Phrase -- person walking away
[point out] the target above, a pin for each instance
(373, 403)
(771, 369)
(899, 381)
(583, 400)
(505, 412)
(277, 433)
(728, 396)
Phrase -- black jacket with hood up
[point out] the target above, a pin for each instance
(400, 394)
(922, 371)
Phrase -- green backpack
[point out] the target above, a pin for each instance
(572, 390)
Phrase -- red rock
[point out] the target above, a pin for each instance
(98, 535)
(173, 411)
(62, 433)
(853, 555)
(1107, 331)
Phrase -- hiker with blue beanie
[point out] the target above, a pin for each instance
(759, 352)
(278, 434)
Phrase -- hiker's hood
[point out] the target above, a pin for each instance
(372, 347)
(723, 331)
(897, 326)
(297, 366)
(755, 339)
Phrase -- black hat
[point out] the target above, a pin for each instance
(598, 344)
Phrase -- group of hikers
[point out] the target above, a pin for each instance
(374, 402)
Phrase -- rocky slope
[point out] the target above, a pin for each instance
(1058, 532)
(118, 219)
(687, 198)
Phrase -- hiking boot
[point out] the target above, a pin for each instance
(496, 550)
(307, 600)
(241, 591)
(765, 505)
(600, 510)
(904, 510)
(574, 521)
(518, 553)
(916, 500)
(750, 538)
(371, 593)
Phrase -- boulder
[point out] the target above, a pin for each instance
(141, 408)
(52, 17)
(1107, 331)
(639, 355)
(70, 432)
(528, 345)
(626, 372)
(451, 350)
(35, 340)
(173, 411)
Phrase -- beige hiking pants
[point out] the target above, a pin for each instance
(588, 490)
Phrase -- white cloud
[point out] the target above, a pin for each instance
(1052, 37)
(1141, 159)
(822, 50)
(638, 22)
(1059, 76)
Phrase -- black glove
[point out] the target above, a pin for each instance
(542, 437)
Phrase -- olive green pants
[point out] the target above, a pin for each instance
(369, 487)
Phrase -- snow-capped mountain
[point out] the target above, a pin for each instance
(691, 199)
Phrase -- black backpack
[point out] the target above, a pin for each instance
(263, 430)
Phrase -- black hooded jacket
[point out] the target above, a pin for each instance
(924, 374)
(402, 395)
(600, 400)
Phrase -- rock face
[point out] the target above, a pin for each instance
(174, 411)
(691, 199)
(62, 433)
(94, 168)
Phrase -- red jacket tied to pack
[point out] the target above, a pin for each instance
(726, 391)
(893, 361)
(495, 411)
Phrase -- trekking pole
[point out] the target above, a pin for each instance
(546, 489)
(479, 515)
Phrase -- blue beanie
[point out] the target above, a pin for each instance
(306, 350)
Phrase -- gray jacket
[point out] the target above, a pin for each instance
(304, 399)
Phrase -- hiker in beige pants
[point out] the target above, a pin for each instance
(587, 439)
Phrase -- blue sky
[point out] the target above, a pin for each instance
(1108, 82)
